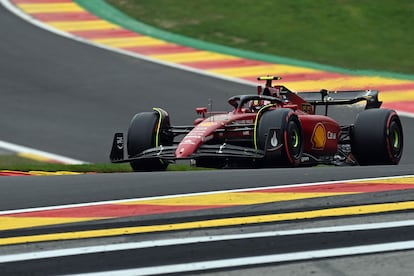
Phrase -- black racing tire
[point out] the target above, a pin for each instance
(285, 148)
(142, 136)
(377, 137)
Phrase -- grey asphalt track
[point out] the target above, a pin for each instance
(68, 98)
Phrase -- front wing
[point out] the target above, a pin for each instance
(167, 153)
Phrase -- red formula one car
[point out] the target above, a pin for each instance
(273, 128)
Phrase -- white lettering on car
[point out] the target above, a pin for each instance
(331, 135)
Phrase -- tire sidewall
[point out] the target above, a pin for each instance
(142, 135)
(371, 140)
(282, 121)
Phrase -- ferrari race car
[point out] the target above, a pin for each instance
(273, 128)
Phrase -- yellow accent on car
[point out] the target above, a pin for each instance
(269, 78)
(255, 124)
(157, 135)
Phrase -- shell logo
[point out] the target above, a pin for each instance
(318, 137)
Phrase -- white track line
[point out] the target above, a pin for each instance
(405, 114)
(256, 260)
(47, 155)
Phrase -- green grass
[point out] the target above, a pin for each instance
(16, 163)
(354, 34)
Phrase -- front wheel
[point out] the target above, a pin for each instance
(148, 130)
(377, 137)
(279, 134)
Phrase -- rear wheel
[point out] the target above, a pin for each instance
(279, 134)
(377, 137)
(145, 132)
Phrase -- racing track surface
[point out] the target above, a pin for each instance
(67, 98)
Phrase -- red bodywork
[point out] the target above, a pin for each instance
(206, 130)
(321, 133)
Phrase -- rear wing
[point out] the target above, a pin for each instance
(325, 97)
(322, 97)
(343, 106)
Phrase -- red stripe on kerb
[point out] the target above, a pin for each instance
(383, 88)
(345, 82)
(64, 16)
(311, 76)
(394, 87)
(113, 210)
(160, 49)
(219, 64)
(342, 188)
(306, 76)
(347, 78)
(97, 34)
(14, 174)
(40, 1)
(401, 106)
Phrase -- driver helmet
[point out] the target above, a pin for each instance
(256, 105)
